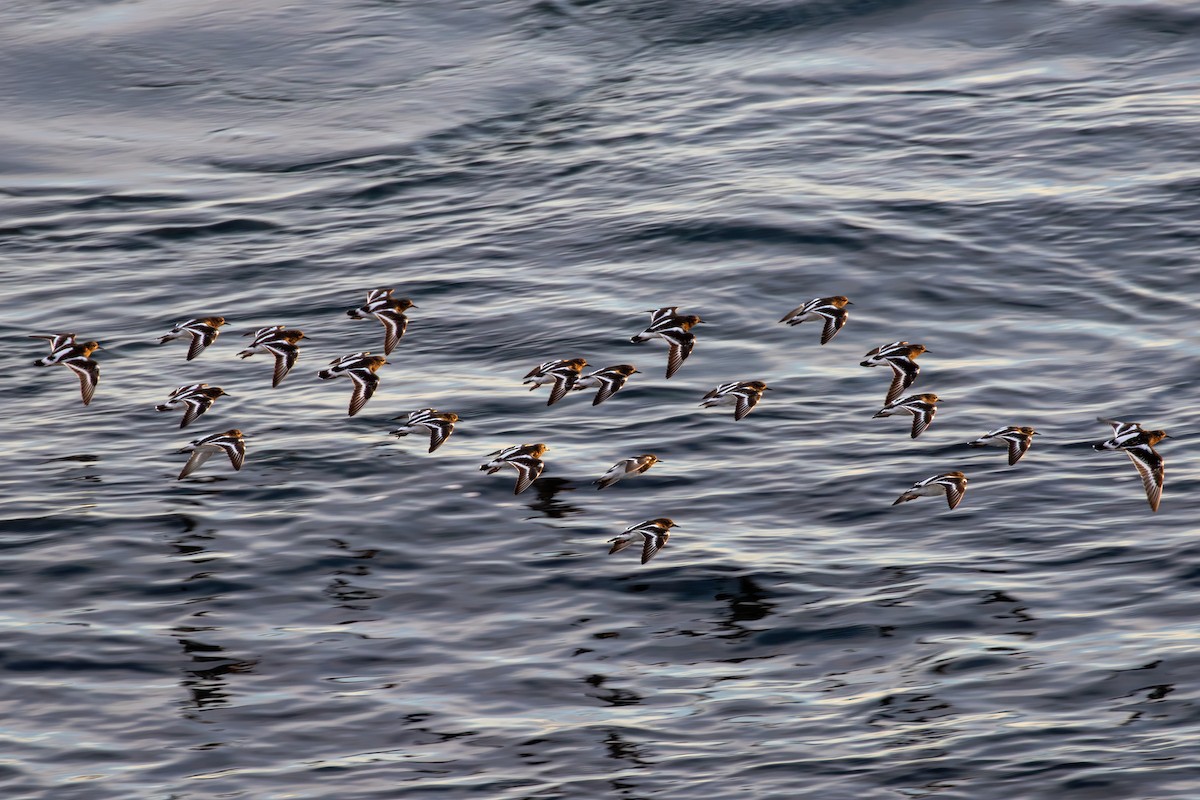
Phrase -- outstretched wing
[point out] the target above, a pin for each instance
(89, 375)
(198, 457)
(365, 382)
(609, 385)
(528, 469)
(745, 402)
(835, 318)
(904, 372)
(394, 324)
(236, 450)
(681, 347)
(652, 542)
(562, 385)
(285, 358)
(439, 432)
(1150, 467)
(954, 492)
(1017, 445)
(194, 407)
(921, 419)
(197, 346)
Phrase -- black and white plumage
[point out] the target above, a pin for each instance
(195, 399)
(742, 395)
(280, 342)
(653, 534)
(76, 357)
(1129, 434)
(625, 468)
(562, 373)
(1138, 443)
(526, 459)
(360, 369)
(439, 425)
(1017, 438)
(921, 406)
(675, 330)
(230, 443)
(609, 381)
(203, 331)
(951, 484)
(57, 341)
(901, 357)
(831, 310)
(388, 310)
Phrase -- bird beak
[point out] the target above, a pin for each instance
(765, 388)
(849, 303)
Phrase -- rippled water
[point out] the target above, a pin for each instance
(1013, 184)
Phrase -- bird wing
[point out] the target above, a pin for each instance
(794, 313)
(194, 406)
(395, 324)
(285, 359)
(1150, 467)
(199, 456)
(922, 416)
(954, 492)
(652, 542)
(365, 383)
(439, 432)
(198, 344)
(835, 318)
(89, 375)
(528, 469)
(562, 385)
(614, 474)
(236, 450)
(745, 402)
(681, 347)
(609, 385)
(659, 314)
(904, 372)
(620, 543)
(1017, 445)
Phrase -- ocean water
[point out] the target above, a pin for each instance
(1012, 183)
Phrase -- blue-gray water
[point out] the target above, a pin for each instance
(1013, 184)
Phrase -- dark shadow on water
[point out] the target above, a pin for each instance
(747, 603)
(546, 489)
(204, 680)
(613, 697)
(342, 587)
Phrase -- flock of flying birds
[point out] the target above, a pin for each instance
(566, 375)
